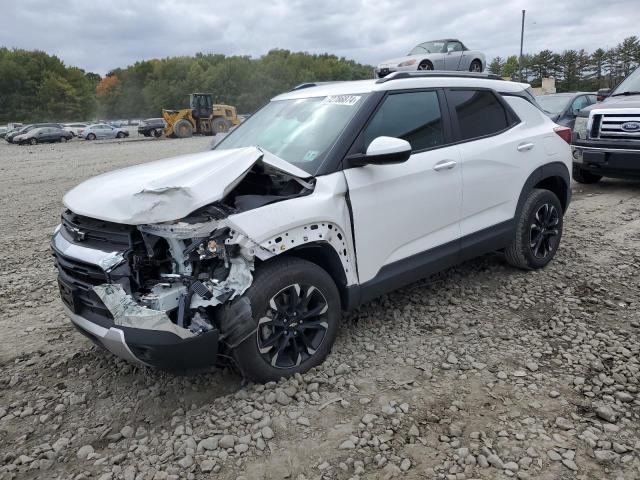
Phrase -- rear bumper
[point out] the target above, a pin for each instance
(158, 349)
(608, 162)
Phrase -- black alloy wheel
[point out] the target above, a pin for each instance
(425, 66)
(294, 326)
(543, 235)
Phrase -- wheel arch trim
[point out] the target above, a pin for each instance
(547, 172)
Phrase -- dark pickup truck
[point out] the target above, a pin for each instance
(606, 135)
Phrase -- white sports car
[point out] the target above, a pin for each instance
(448, 54)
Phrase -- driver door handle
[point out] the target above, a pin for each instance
(525, 147)
(444, 165)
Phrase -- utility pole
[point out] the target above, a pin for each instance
(521, 42)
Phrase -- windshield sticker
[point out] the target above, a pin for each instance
(310, 156)
(349, 100)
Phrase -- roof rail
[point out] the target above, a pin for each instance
(310, 84)
(436, 74)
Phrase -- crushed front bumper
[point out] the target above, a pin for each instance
(81, 268)
(162, 350)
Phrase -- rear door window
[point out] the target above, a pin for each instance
(479, 113)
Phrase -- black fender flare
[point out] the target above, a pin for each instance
(550, 170)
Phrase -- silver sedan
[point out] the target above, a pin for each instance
(102, 130)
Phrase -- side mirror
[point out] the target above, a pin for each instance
(384, 151)
(575, 111)
(602, 94)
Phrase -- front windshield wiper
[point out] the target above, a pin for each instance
(630, 92)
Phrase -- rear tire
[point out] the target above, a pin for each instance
(585, 177)
(63, 139)
(183, 129)
(538, 231)
(120, 135)
(296, 306)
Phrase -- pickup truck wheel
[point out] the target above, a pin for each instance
(538, 231)
(296, 308)
(585, 177)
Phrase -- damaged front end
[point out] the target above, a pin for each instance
(168, 294)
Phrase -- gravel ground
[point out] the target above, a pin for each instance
(480, 372)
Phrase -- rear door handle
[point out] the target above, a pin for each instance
(525, 147)
(444, 165)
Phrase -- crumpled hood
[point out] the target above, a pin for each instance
(170, 189)
(395, 61)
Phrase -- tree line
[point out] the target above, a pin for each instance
(574, 69)
(35, 86)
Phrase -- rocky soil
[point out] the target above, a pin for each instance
(481, 372)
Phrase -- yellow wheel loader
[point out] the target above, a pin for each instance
(203, 117)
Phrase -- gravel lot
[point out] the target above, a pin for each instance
(480, 372)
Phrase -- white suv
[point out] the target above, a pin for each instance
(327, 197)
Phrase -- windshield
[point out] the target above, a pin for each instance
(300, 131)
(427, 47)
(630, 84)
(553, 103)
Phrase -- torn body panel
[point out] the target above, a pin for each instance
(187, 277)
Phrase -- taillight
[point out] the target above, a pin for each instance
(564, 133)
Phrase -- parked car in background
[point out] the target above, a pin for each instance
(151, 127)
(3, 131)
(563, 108)
(251, 252)
(102, 130)
(74, 128)
(447, 54)
(606, 136)
(11, 135)
(43, 135)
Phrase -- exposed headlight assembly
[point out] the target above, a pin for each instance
(580, 128)
(407, 63)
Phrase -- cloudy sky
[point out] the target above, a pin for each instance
(104, 34)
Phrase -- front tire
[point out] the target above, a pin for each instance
(538, 231)
(33, 141)
(425, 65)
(296, 308)
(91, 136)
(585, 177)
(476, 66)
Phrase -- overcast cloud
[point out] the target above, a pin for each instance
(102, 35)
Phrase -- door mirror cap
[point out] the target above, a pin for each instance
(384, 151)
